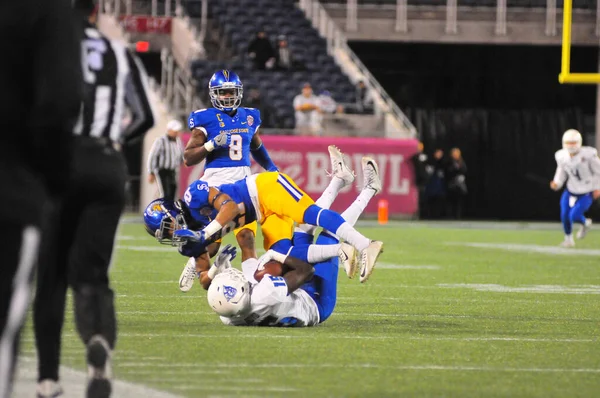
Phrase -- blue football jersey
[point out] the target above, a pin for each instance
(196, 199)
(242, 127)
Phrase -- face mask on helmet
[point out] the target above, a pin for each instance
(226, 97)
(161, 220)
(572, 141)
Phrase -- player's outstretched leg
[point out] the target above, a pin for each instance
(333, 222)
(565, 217)
(585, 228)
(188, 275)
(341, 176)
(371, 187)
(577, 214)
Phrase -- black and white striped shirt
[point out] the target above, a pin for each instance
(166, 154)
(114, 78)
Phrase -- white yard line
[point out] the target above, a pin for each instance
(148, 249)
(495, 288)
(406, 266)
(73, 383)
(526, 248)
(377, 366)
(313, 336)
(213, 387)
(371, 314)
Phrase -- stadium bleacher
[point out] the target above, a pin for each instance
(239, 20)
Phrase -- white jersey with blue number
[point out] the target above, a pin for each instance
(271, 305)
(581, 171)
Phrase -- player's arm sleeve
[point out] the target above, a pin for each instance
(258, 150)
(270, 291)
(196, 196)
(138, 100)
(57, 91)
(560, 176)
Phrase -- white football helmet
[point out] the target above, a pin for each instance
(229, 293)
(571, 141)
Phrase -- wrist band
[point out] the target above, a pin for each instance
(209, 146)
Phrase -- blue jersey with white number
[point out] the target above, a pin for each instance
(242, 127)
(196, 199)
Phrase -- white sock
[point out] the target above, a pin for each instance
(352, 236)
(249, 267)
(330, 193)
(354, 211)
(569, 237)
(320, 253)
(325, 201)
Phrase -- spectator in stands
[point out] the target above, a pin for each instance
(283, 54)
(261, 51)
(326, 105)
(364, 101)
(436, 188)
(307, 111)
(285, 60)
(456, 172)
(423, 172)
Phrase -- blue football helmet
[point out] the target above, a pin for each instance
(226, 90)
(161, 219)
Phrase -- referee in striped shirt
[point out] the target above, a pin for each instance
(166, 156)
(40, 92)
(77, 244)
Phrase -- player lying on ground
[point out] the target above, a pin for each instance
(277, 228)
(580, 168)
(341, 176)
(285, 292)
(226, 136)
(276, 202)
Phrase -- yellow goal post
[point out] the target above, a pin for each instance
(565, 76)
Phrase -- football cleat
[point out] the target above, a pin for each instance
(371, 178)
(338, 166)
(585, 228)
(348, 257)
(568, 242)
(188, 275)
(99, 368)
(368, 258)
(48, 388)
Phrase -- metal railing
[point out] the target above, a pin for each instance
(336, 41)
(452, 9)
(177, 87)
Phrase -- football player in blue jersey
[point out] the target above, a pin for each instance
(300, 294)
(276, 202)
(225, 136)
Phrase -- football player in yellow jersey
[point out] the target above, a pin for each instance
(275, 201)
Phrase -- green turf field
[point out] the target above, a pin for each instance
(441, 316)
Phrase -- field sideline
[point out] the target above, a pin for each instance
(451, 310)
